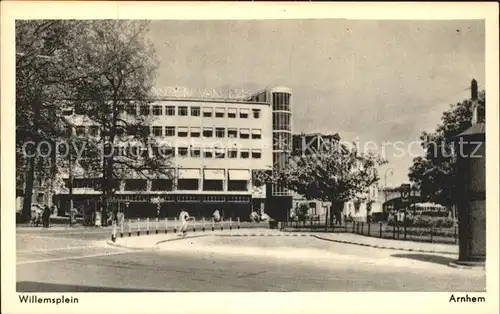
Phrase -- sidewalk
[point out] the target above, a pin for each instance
(145, 242)
(410, 246)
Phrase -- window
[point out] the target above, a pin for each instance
(183, 111)
(244, 133)
(207, 112)
(182, 131)
(188, 184)
(67, 111)
(80, 131)
(213, 185)
(156, 110)
(157, 131)
(256, 113)
(256, 134)
(170, 110)
(195, 111)
(219, 112)
(231, 113)
(232, 153)
(135, 185)
(232, 133)
(183, 151)
(220, 153)
(195, 152)
(256, 153)
(94, 131)
(132, 110)
(145, 110)
(220, 132)
(208, 132)
(208, 153)
(237, 185)
(170, 131)
(244, 113)
(195, 132)
(166, 151)
(162, 185)
(244, 153)
(281, 101)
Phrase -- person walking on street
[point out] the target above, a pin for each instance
(183, 218)
(216, 215)
(46, 216)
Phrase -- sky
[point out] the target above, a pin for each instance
(382, 82)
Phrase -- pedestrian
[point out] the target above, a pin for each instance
(216, 215)
(183, 218)
(46, 216)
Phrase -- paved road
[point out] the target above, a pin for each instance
(59, 261)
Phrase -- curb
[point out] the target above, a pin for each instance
(479, 266)
(134, 248)
(182, 238)
(383, 247)
(153, 247)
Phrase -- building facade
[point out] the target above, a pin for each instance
(217, 146)
(279, 199)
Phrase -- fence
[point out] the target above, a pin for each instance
(382, 230)
(408, 233)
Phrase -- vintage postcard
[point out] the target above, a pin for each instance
(286, 157)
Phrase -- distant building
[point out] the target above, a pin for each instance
(310, 143)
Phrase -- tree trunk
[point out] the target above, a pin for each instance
(336, 211)
(28, 190)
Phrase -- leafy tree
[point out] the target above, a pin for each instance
(41, 62)
(113, 97)
(334, 174)
(435, 173)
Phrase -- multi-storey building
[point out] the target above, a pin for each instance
(217, 146)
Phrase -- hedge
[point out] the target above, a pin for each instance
(424, 221)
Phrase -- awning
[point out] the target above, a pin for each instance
(207, 109)
(214, 174)
(256, 132)
(195, 129)
(219, 150)
(244, 131)
(245, 111)
(239, 175)
(231, 110)
(220, 110)
(182, 129)
(189, 174)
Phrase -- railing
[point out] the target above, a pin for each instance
(401, 231)
(432, 234)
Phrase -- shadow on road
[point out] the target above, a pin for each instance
(31, 286)
(437, 259)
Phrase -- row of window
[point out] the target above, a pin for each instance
(194, 152)
(166, 185)
(161, 131)
(183, 111)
